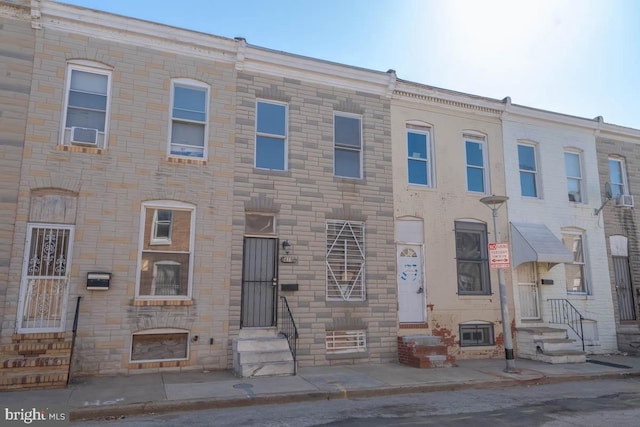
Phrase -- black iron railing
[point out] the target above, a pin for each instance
(73, 337)
(563, 312)
(288, 329)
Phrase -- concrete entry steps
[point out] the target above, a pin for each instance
(261, 352)
(35, 361)
(549, 345)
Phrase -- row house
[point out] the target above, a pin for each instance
(559, 256)
(447, 157)
(182, 194)
(178, 200)
(618, 150)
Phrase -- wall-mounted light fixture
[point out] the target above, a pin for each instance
(286, 246)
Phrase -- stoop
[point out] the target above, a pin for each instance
(261, 352)
(550, 345)
(423, 351)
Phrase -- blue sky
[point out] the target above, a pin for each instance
(578, 57)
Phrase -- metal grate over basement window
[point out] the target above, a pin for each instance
(476, 334)
(345, 261)
(346, 342)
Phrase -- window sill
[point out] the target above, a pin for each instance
(343, 356)
(186, 161)
(477, 346)
(277, 172)
(81, 149)
(358, 303)
(474, 295)
(163, 302)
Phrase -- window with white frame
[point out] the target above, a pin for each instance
(271, 135)
(476, 334)
(528, 167)
(617, 177)
(86, 110)
(472, 258)
(189, 119)
(347, 145)
(162, 220)
(346, 342)
(575, 270)
(419, 161)
(166, 250)
(573, 169)
(345, 261)
(476, 157)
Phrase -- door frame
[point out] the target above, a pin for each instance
(421, 263)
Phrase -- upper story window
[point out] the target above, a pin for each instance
(271, 135)
(528, 167)
(617, 177)
(472, 258)
(575, 271)
(189, 124)
(347, 136)
(419, 162)
(573, 168)
(476, 155)
(166, 250)
(86, 108)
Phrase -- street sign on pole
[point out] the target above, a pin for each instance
(499, 255)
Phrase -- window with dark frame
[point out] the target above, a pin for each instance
(476, 334)
(472, 258)
(271, 136)
(347, 146)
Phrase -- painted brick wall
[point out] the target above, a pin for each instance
(305, 196)
(555, 211)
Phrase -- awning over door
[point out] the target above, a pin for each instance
(535, 242)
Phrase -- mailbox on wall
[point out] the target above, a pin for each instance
(98, 281)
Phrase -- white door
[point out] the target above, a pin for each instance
(411, 295)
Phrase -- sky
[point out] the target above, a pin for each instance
(577, 57)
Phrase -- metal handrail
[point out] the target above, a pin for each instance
(73, 337)
(563, 312)
(289, 330)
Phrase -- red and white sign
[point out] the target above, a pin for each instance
(499, 255)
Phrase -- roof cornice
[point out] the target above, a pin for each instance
(245, 57)
(414, 92)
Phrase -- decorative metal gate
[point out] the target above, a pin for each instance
(624, 290)
(259, 282)
(45, 278)
(528, 292)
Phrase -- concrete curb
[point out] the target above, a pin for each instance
(161, 407)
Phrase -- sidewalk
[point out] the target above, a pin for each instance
(113, 396)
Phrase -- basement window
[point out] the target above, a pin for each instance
(159, 345)
(476, 334)
(346, 342)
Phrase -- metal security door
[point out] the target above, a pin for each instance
(528, 292)
(623, 287)
(259, 282)
(45, 278)
(411, 298)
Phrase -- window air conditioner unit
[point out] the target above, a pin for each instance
(84, 136)
(624, 201)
